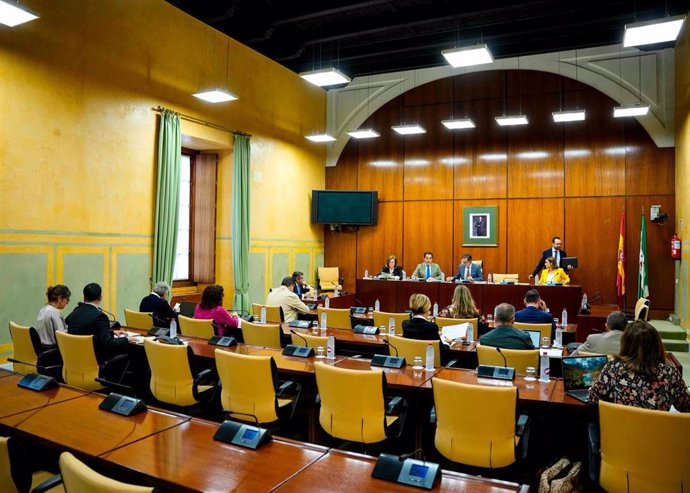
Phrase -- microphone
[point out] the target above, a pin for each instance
(404, 457)
(505, 361)
(293, 331)
(114, 324)
(225, 411)
(108, 313)
(390, 345)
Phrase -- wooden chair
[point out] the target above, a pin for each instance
(382, 318)
(267, 335)
(193, 327)
(138, 320)
(274, 313)
(519, 359)
(409, 348)
(336, 318)
(506, 278)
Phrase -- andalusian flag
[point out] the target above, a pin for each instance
(643, 275)
(620, 277)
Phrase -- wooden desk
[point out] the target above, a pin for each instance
(187, 458)
(18, 400)
(6, 373)
(343, 300)
(80, 426)
(404, 377)
(594, 322)
(340, 471)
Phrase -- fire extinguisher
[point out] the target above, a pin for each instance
(675, 247)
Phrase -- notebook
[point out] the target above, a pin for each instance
(579, 373)
(535, 335)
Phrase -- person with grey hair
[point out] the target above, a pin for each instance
(157, 304)
(285, 297)
(504, 335)
(608, 342)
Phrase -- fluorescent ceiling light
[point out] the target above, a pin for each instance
(459, 123)
(654, 31)
(364, 133)
(568, 116)
(325, 77)
(320, 138)
(383, 164)
(630, 110)
(215, 96)
(506, 121)
(11, 14)
(468, 55)
(409, 129)
(533, 155)
(494, 157)
(416, 162)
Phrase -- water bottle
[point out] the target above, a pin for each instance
(327, 302)
(544, 366)
(330, 348)
(559, 337)
(429, 357)
(263, 315)
(391, 326)
(324, 324)
(315, 327)
(435, 310)
(536, 280)
(404, 275)
(366, 274)
(377, 305)
(336, 292)
(490, 278)
(470, 333)
(564, 318)
(173, 328)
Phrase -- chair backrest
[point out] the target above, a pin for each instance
(138, 320)
(519, 359)
(267, 335)
(328, 278)
(23, 349)
(442, 322)
(312, 341)
(643, 450)
(6, 481)
(248, 385)
(506, 277)
(171, 374)
(352, 403)
(409, 348)
(79, 365)
(475, 424)
(479, 262)
(381, 318)
(545, 329)
(193, 327)
(274, 313)
(79, 478)
(336, 318)
(642, 309)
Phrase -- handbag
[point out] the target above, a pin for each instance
(561, 477)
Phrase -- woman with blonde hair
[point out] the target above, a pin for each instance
(391, 268)
(462, 305)
(419, 326)
(552, 274)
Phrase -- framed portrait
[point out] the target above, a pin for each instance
(480, 226)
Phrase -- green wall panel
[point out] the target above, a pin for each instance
(280, 262)
(80, 269)
(318, 262)
(303, 263)
(22, 290)
(132, 282)
(257, 277)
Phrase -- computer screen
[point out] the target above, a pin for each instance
(535, 336)
(580, 372)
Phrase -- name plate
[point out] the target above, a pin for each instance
(242, 435)
(498, 372)
(411, 472)
(365, 329)
(388, 361)
(37, 382)
(298, 351)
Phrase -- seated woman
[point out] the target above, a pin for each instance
(50, 317)
(211, 308)
(462, 305)
(419, 327)
(639, 376)
(392, 268)
(552, 274)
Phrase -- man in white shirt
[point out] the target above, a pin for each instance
(555, 252)
(285, 297)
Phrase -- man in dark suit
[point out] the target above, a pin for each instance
(535, 311)
(157, 303)
(505, 335)
(88, 319)
(301, 288)
(555, 252)
(467, 271)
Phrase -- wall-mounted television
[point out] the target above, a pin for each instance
(350, 207)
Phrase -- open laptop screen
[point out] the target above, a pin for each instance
(580, 372)
(535, 335)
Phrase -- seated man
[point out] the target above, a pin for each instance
(301, 287)
(428, 269)
(467, 271)
(157, 303)
(610, 341)
(535, 311)
(505, 335)
(285, 297)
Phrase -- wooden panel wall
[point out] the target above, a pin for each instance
(572, 180)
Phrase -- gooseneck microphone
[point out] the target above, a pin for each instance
(293, 331)
(505, 361)
(404, 457)
(256, 420)
(390, 345)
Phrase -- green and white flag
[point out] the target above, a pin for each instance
(643, 275)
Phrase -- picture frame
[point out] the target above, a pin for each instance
(480, 226)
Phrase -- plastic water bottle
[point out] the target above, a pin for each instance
(391, 326)
(173, 328)
(435, 310)
(490, 278)
(324, 322)
(429, 357)
(443, 276)
(470, 333)
(327, 303)
(263, 315)
(564, 318)
(366, 274)
(559, 337)
(336, 292)
(377, 305)
(536, 280)
(330, 348)
(544, 366)
(404, 275)
(315, 327)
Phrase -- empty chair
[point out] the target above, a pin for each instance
(545, 329)
(336, 318)
(506, 278)
(519, 359)
(409, 348)
(138, 320)
(312, 340)
(193, 327)
(443, 322)
(173, 377)
(475, 424)
(249, 388)
(382, 318)
(81, 368)
(15, 469)
(642, 309)
(328, 278)
(267, 335)
(641, 449)
(274, 313)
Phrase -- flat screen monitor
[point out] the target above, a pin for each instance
(355, 208)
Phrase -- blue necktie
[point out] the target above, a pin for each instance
(428, 271)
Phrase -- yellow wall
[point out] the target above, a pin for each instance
(683, 171)
(78, 144)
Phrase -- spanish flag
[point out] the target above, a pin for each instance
(620, 276)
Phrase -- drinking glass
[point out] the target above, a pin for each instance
(531, 375)
(417, 363)
(320, 352)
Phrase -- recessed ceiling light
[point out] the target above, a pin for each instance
(364, 133)
(459, 124)
(215, 96)
(320, 138)
(568, 116)
(325, 77)
(409, 129)
(11, 14)
(468, 55)
(506, 121)
(630, 110)
(654, 31)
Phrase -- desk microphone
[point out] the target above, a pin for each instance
(293, 331)
(256, 420)
(391, 345)
(505, 361)
(404, 457)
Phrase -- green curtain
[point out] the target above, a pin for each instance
(240, 221)
(167, 197)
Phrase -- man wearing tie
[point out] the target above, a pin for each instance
(467, 271)
(555, 252)
(428, 269)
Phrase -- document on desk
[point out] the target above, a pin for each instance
(453, 332)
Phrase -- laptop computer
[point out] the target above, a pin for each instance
(579, 373)
(535, 335)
